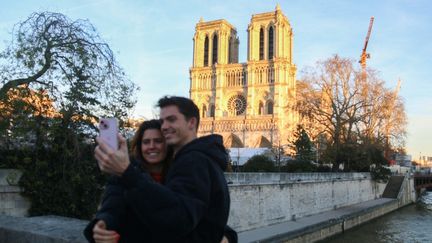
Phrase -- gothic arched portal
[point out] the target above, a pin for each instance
(232, 141)
(262, 142)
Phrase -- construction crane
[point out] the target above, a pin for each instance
(398, 86)
(364, 54)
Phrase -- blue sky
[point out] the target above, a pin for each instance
(153, 41)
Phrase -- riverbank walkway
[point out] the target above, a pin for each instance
(305, 229)
(312, 228)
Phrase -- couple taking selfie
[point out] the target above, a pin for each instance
(171, 189)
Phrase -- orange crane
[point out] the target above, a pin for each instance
(364, 54)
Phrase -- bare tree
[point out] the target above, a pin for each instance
(67, 58)
(336, 100)
(56, 76)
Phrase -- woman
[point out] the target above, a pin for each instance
(116, 220)
(150, 153)
(148, 147)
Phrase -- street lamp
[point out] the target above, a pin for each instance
(278, 153)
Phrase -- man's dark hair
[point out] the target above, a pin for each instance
(185, 106)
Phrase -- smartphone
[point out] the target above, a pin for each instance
(108, 130)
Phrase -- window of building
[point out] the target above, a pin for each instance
(212, 110)
(270, 107)
(270, 75)
(270, 43)
(215, 49)
(261, 44)
(206, 51)
(260, 108)
(237, 105)
(204, 111)
(230, 43)
(260, 76)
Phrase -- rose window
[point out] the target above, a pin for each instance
(237, 105)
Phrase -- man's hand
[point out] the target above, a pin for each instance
(110, 161)
(102, 235)
(224, 240)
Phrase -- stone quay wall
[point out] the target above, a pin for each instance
(261, 199)
(11, 201)
(337, 225)
(257, 200)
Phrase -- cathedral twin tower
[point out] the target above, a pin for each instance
(250, 104)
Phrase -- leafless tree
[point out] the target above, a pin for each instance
(336, 100)
(66, 58)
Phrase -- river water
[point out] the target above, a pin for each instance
(412, 223)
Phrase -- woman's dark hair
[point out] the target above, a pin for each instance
(137, 142)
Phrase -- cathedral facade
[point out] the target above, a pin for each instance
(250, 104)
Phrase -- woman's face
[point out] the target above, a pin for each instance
(153, 146)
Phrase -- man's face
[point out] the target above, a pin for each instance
(176, 129)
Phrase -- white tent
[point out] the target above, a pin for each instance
(239, 156)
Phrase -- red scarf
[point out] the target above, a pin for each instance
(157, 176)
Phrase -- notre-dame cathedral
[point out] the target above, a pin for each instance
(250, 104)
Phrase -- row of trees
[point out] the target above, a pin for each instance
(57, 77)
(305, 159)
(347, 117)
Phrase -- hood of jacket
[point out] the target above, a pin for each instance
(212, 146)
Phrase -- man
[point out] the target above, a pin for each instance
(193, 206)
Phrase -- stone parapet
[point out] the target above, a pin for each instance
(11, 201)
(262, 199)
(258, 200)
(281, 178)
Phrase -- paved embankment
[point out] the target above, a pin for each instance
(306, 229)
(322, 225)
(265, 208)
(43, 229)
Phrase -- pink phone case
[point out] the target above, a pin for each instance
(108, 130)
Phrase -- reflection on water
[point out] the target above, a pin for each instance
(412, 223)
(426, 201)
